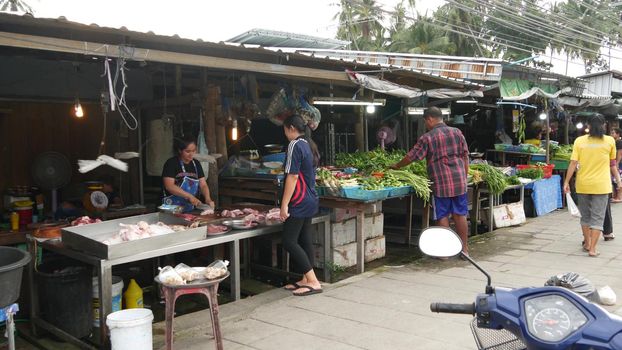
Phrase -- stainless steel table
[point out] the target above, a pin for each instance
(104, 270)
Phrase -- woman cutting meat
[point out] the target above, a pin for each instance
(183, 178)
(300, 203)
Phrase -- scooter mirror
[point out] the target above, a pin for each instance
(440, 242)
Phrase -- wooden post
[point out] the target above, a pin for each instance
(209, 121)
(221, 137)
(360, 130)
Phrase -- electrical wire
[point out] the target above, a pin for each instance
(529, 19)
(523, 29)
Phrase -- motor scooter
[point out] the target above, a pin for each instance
(526, 318)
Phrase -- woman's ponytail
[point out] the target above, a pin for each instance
(299, 124)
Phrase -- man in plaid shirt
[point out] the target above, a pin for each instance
(447, 155)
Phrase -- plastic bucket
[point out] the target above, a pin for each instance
(130, 329)
(12, 262)
(65, 296)
(117, 288)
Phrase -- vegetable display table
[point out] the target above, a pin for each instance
(361, 206)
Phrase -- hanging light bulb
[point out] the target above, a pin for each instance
(77, 109)
(370, 109)
(234, 130)
(579, 125)
(587, 131)
(543, 115)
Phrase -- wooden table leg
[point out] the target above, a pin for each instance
(491, 205)
(328, 257)
(360, 241)
(425, 216)
(475, 207)
(409, 219)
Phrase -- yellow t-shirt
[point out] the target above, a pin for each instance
(594, 156)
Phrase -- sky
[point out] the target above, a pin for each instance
(219, 20)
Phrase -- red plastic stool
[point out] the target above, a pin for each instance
(207, 287)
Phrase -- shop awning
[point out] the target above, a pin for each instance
(389, 88)
(516, 90)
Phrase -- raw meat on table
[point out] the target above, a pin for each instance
(215, 229)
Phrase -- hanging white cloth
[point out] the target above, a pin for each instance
(202, 148)
(159, 145)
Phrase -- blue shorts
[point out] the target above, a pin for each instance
(442, 207)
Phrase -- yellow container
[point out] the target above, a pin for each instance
(133, 296)
(14, 221)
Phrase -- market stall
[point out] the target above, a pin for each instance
(93, 244)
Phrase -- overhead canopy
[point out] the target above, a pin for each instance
(389, 88)
(516, 90)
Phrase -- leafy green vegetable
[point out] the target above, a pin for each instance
(531, 173)
(494, 178)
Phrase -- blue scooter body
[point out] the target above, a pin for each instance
(505, 309)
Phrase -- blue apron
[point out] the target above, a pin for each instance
(189, 185)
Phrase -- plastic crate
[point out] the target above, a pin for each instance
(360, 194)
(275, 157)
(399, 191)
(547, 169)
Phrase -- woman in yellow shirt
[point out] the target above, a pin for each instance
(593, 158)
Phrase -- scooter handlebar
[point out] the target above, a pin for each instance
(467, 309)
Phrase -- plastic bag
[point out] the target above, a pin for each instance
(216, 269)
(187, 273)
(606, 295)
(168, 275)
(574, 282)
(572, 207)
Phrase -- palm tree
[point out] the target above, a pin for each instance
(360, 22)
(423, 37)
(15, 6)
(456, 18)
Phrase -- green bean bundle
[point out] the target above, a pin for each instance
(420, 184)
(494, 178)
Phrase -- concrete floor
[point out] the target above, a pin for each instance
(388, 308)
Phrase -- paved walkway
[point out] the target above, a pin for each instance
(388, 308)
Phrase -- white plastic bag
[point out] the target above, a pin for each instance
(572, 207)
(169, 276)
(216, 269)
(606, 295)
(187, 273)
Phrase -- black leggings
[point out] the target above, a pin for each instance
(298, 242)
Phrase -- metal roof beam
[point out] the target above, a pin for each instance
(141, 54)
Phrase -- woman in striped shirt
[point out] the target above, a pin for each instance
(299, 203)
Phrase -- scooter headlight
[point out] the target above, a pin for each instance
(552, 318)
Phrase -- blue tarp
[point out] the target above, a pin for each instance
(546, 194)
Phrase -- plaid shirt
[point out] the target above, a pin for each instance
(445, 150)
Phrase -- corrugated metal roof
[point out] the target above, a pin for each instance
(62, 28)
(274, 38)
(614, 72)
(457, 68)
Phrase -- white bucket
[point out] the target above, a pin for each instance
(130, 329)
(117, 288)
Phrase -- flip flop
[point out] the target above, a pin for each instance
(293, 287)
(585, 249)
(310, 291)
(594, 255)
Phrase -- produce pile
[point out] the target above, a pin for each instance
(373, 173)
(492, 176)
(560, 152)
